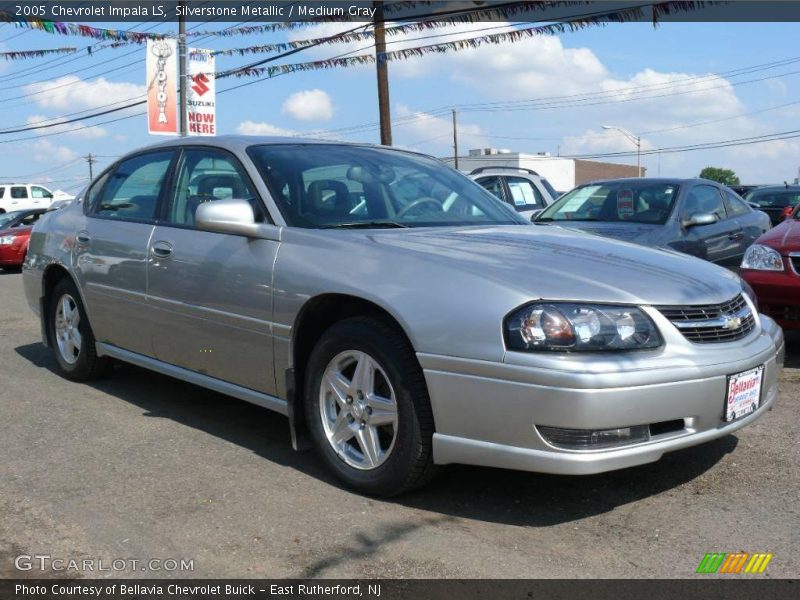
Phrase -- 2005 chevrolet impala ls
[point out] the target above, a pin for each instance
(398, 314)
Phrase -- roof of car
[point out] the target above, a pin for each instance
(241, 142)
(777, 188)
(665, 180)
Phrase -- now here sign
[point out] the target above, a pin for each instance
(201, 103)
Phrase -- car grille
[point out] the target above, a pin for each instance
(782, 312)
(712, 323)
(794, 258)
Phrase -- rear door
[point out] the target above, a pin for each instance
(111, 248)
(19, 198)
(718, 242)
(751, 222)
(211, 293)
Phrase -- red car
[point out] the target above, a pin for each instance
(15, 231)
(772, 268)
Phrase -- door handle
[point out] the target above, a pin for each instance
(82, 237)
(735, 237)
(161, 249)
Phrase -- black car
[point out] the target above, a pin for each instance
(777, 201)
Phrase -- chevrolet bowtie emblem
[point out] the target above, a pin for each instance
(731, 322)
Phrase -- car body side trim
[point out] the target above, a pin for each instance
(211, 383)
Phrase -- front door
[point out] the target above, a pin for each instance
(111, 246)
(720, 241)
(211, 293)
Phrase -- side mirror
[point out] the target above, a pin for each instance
(535, 214)
(235, 217)
(700, 219)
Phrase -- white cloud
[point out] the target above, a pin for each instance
(309, 105)
(47, 151)
(72, 92)
(78, 128)
(257, 128)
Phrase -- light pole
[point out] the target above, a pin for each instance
(636, 140)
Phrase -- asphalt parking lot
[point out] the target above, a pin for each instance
(143, 466)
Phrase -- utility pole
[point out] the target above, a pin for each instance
(182, 70)
(383, 76)
(91, 160)
(455, 140)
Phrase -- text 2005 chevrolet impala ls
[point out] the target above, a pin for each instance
(397, 313)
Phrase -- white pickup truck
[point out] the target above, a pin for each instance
(25, 196)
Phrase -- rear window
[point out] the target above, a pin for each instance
(2, 191)
(775, 199)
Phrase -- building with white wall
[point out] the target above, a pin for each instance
(563, 173)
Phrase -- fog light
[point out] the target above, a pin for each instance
(594, 439)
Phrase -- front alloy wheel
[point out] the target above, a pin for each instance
(367, 407)
(358, 410)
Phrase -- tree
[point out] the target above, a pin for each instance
(723, 176)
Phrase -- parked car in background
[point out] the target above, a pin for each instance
(694, 216)
(743, 190)
(397, 330)
(25, 196)
(523, 189)
(778, 201)
(772, 268)
(15, 231)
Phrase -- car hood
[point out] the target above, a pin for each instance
(560, 264)
(784, 237)
(629, 232)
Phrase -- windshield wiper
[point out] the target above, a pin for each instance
(367, 225)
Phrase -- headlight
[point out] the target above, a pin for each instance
(762, 258)
(580, 327)
(6, 240)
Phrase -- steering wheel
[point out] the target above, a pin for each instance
(420, 201)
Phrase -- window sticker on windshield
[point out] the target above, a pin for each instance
(625, 204)
(579, 198)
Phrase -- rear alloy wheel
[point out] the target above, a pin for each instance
(71, 336)
(367, 407)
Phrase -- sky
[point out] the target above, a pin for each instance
(693, 95)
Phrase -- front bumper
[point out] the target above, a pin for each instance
(486, 413)
(778, 294)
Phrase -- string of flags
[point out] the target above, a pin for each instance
(23, 54)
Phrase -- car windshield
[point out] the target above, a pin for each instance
(626, 201)
(327, 186)
(7, 218)
(775, 199)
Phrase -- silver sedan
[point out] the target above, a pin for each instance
(397, 331)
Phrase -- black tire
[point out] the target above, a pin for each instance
(410, 462)
(87, 365)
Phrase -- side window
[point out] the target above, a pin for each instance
(40, 192)
(524, 194)
(493, 185)
(2, 191)
(30, 219)
(205, 176)
(132, 188)
(19, 192)
(736, 205)
(704, 199)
